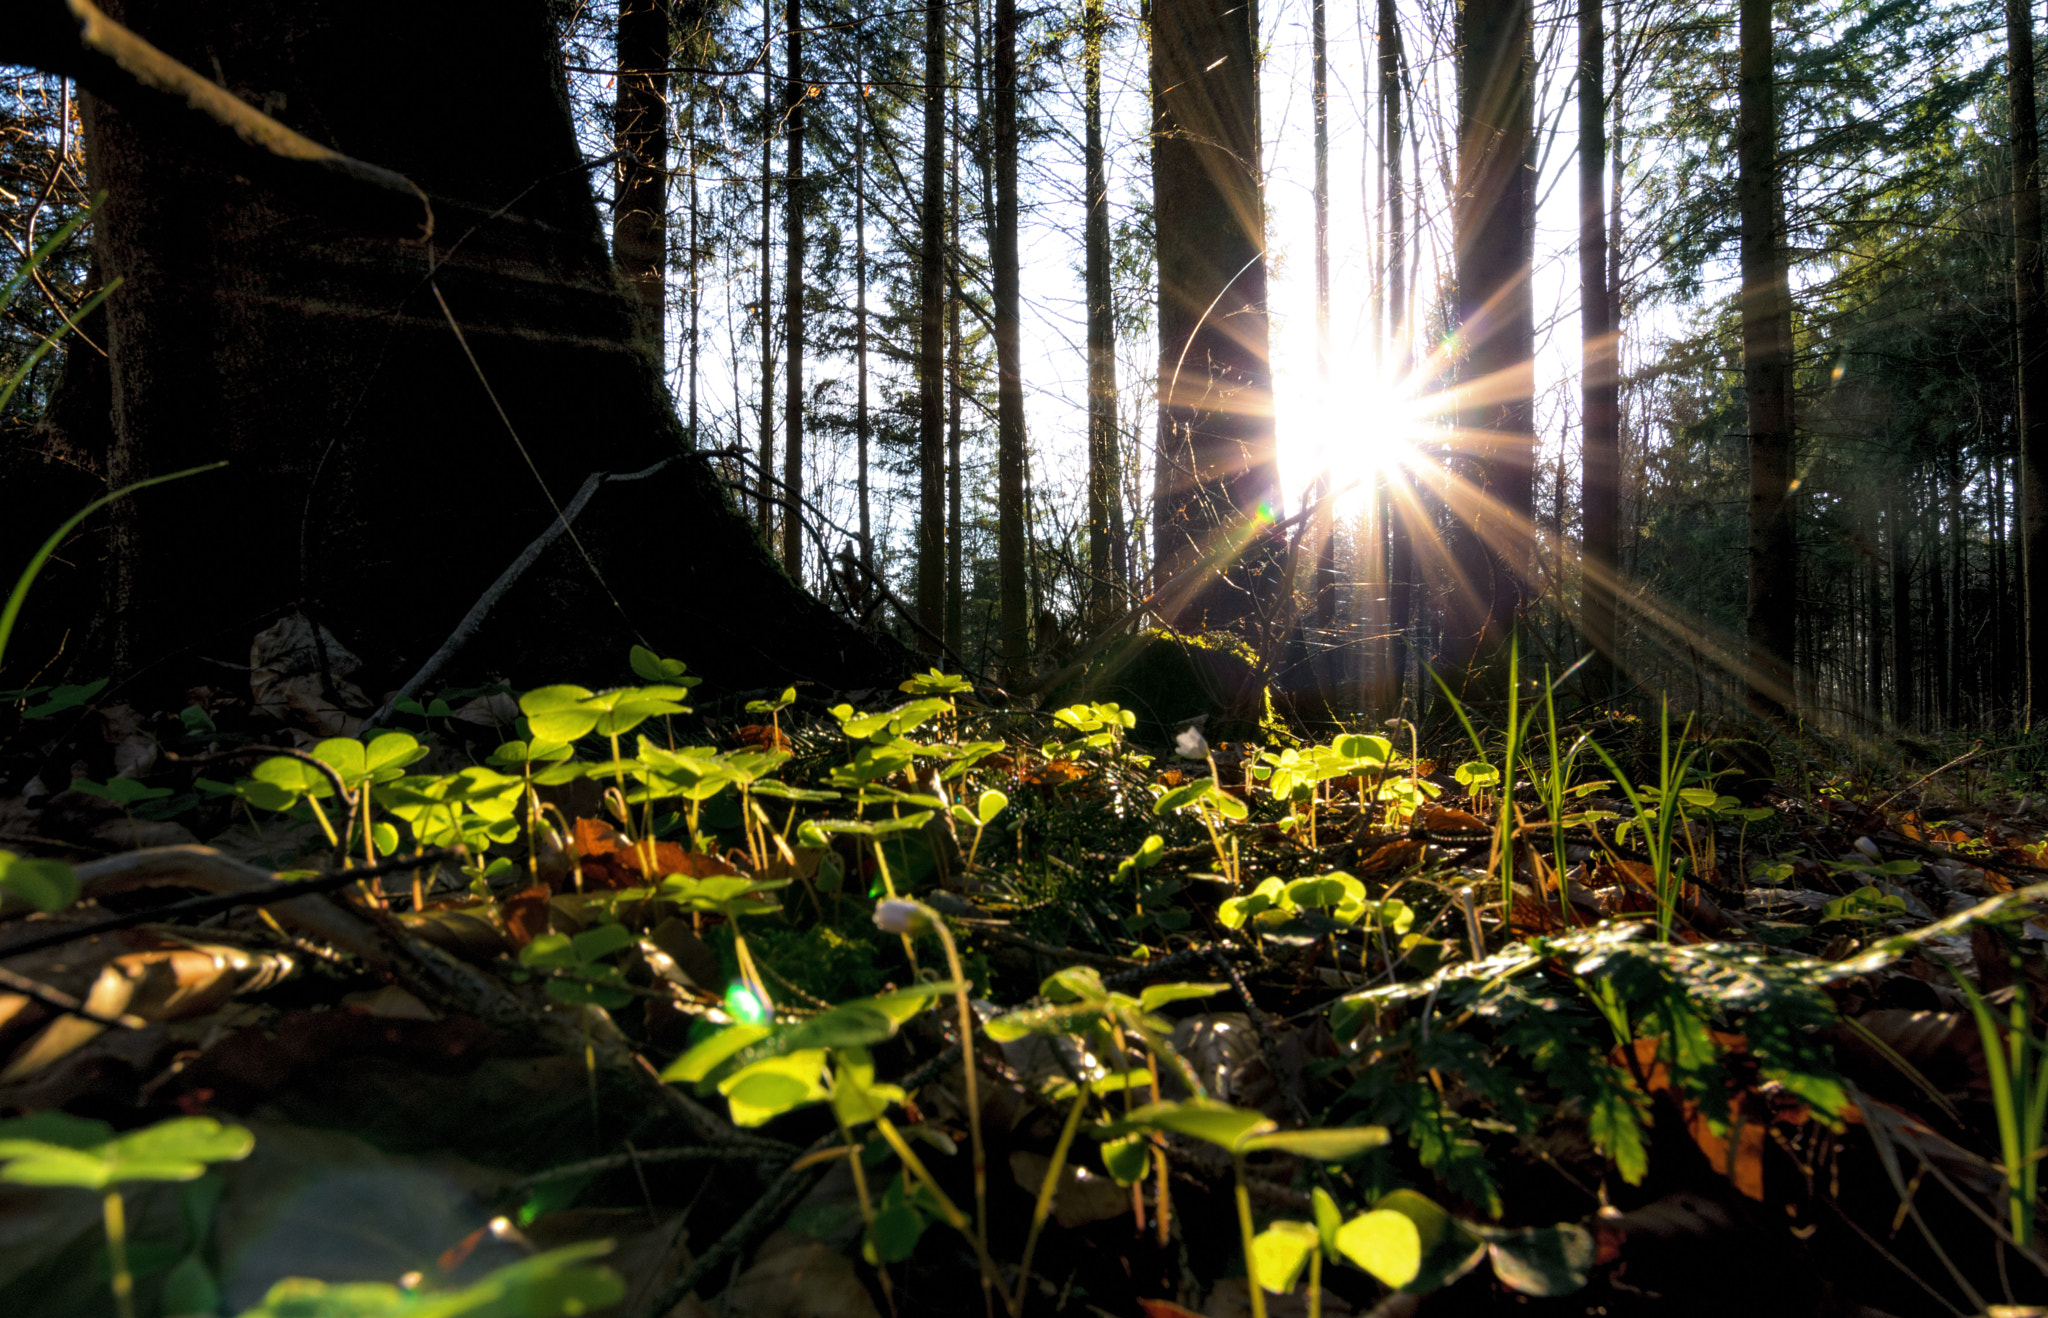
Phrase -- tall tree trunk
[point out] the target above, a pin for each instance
(640, 132)
(1766, 371)
(1399, 499)
(1015, 628)
(369, 378)
(1494, 222)
(1600, 412)
(1325, 589)
(956, 592)
(794, 93)
(861, 421)
(931, 333)
(1105, 478)
(1218, 476)
(1902, 613)
(764, 505)
(696, 279)
(2030, 345)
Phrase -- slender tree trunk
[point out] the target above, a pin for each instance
(1600, 427)
(640, 132)
(956, 592)
(765, 475)
(2030, 346)
(1494, 221)
(931, 333)
(1767, 371)
(1902, 614)
(1015, 624)
(1959, 669)
(861, 422)
(1105, 479)
(1998, 685)
(1325, 589)
(1217, 475)
(794, 195)
(696, 278)
(1399, 497)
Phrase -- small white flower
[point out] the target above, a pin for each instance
(896, 915)
(1191, 744)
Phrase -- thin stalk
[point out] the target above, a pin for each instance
(1244, 1229)
(968, 1069)
(1042, 1210)
(114, 1212)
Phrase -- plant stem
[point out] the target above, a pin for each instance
(1244, 1230)
(116, 1217)
(968, 1069)
(1041, 1210)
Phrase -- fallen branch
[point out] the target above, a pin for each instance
(253, 886)
(474, 619)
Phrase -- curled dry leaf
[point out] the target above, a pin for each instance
(152, 986)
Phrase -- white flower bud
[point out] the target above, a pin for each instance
(1191, 744)
(896, 915)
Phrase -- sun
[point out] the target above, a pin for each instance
(1362, 429)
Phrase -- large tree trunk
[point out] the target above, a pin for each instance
(1600, 410)
(794, 93)
(1217, 471)
(1105, 479)
(1766, 372)
(1015, 625)
(2030, 345)
(1325, 589)
(931, 333)
(384, 469)
(1494, 220)
(640, 130)
(764, 505)
(861, 422)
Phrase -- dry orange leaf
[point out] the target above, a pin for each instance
(1443, 819)
(763, 736)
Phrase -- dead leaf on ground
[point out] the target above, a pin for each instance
(806, 1281)
(1082, 1196)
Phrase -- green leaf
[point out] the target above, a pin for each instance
(1542, 1260)
(989, 806)
(1280, 1252)
(1328, 1218)
(701, 1060)
(175, 1150)
(764, 1090)
(1187, 794)
(127, 791)
(597, 943)
(651, 667)
(65, 697)
(1156, 996)
(549, 1285)
(293, 776)
(1331, 1145)
(897, 1229)
(1384, 1243)
(47, 885)
(1125, 1158)
(1198, 1118)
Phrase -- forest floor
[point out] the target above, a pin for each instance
(1673, 1024)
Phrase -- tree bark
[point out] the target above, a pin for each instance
(2030, 346)
(1217, 472)
(861, 421)
(1105, 478)
(931, 333)
(1902, 612)
(764, 506)
(306, 343)
(1766, 372)
(1324, 591)
(1600, 411)
(1494, 223)
(1014, 621)
(640, 128)
(795, 92)
(956, 588)
(1401, 506)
